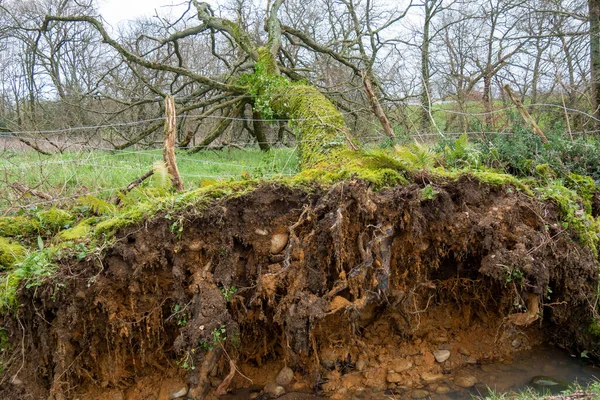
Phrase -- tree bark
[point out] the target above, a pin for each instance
(594, 12)
(377, 110)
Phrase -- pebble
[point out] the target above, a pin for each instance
(285, 376)
(328, 359)
(465, 381)
(442, 389)
(253, 395)
(402, 365)
(180, 393)
(419, 394)
(464, 351)
(361, 365)
(393, 377)
(278, 242)
(516, 343)
(429, 377)
(274, 389)
(441, 355)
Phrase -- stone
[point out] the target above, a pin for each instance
(442, 389)
(516, 343)
(253, 395)
(464, 351)
(285, 376)
(430, 377)
(179, 393)
(393, 377)
(328, 358)
(274, 389)
(361, 365)
(441, 355)
(278, 242)
(419, 394)
(545, 382)
(465, 381)
(402, 365)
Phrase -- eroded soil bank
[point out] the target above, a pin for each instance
(351, 289)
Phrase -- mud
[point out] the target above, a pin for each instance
(363, 289)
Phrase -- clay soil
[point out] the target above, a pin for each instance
(354, 290)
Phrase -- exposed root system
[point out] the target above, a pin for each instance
(350, 288)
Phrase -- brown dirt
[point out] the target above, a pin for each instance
(366, 288)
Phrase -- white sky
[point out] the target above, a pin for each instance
(116, 11)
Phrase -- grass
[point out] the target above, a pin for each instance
(592, 391)
(101, 173)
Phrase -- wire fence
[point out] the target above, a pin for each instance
(94, 166)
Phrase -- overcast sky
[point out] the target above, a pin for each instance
(115, 11)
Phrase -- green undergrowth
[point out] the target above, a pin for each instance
(31, 243)
(575, 391)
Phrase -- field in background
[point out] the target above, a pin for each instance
(101, 173)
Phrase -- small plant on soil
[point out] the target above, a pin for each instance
(228, 292)
(428, 193)
(218, 337)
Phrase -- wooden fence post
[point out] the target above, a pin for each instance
(169, 145)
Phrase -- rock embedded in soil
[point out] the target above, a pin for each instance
(465, 381)
(278, 242)
(402, 365)
(464, 351)
(393, 377)
(441, 355)
(180, 393)
(429, 377)
(442, 389)
(274, 389)
(285, 376)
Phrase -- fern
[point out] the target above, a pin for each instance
(96, 205)
(417, 156)
(161, 177)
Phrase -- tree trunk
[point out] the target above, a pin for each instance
(425, 91)
(594, 10)
(259, 130)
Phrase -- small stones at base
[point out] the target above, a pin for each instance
(274, 389)
(393, 377)
(402, 365)
(442, 389)
(285, 376)
(441, 355)
(429, 377)
(465, 381)
(180, 393)
(464, 351)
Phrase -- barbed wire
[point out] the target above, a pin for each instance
(22, 133)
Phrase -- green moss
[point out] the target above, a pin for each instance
(10, 253)
(18, 226)
(79, 231)
(54, 219)
(594, 330)
(500, 179)
(574, 215)
(45, 222)
(584, 186)
(110, 226)
(378, 168)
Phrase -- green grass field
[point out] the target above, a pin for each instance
(101, 173)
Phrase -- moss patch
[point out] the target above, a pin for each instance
(10, 253)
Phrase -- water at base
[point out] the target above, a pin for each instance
(549, 364)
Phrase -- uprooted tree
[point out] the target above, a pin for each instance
(273, 91)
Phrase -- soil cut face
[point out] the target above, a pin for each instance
(355, 291)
